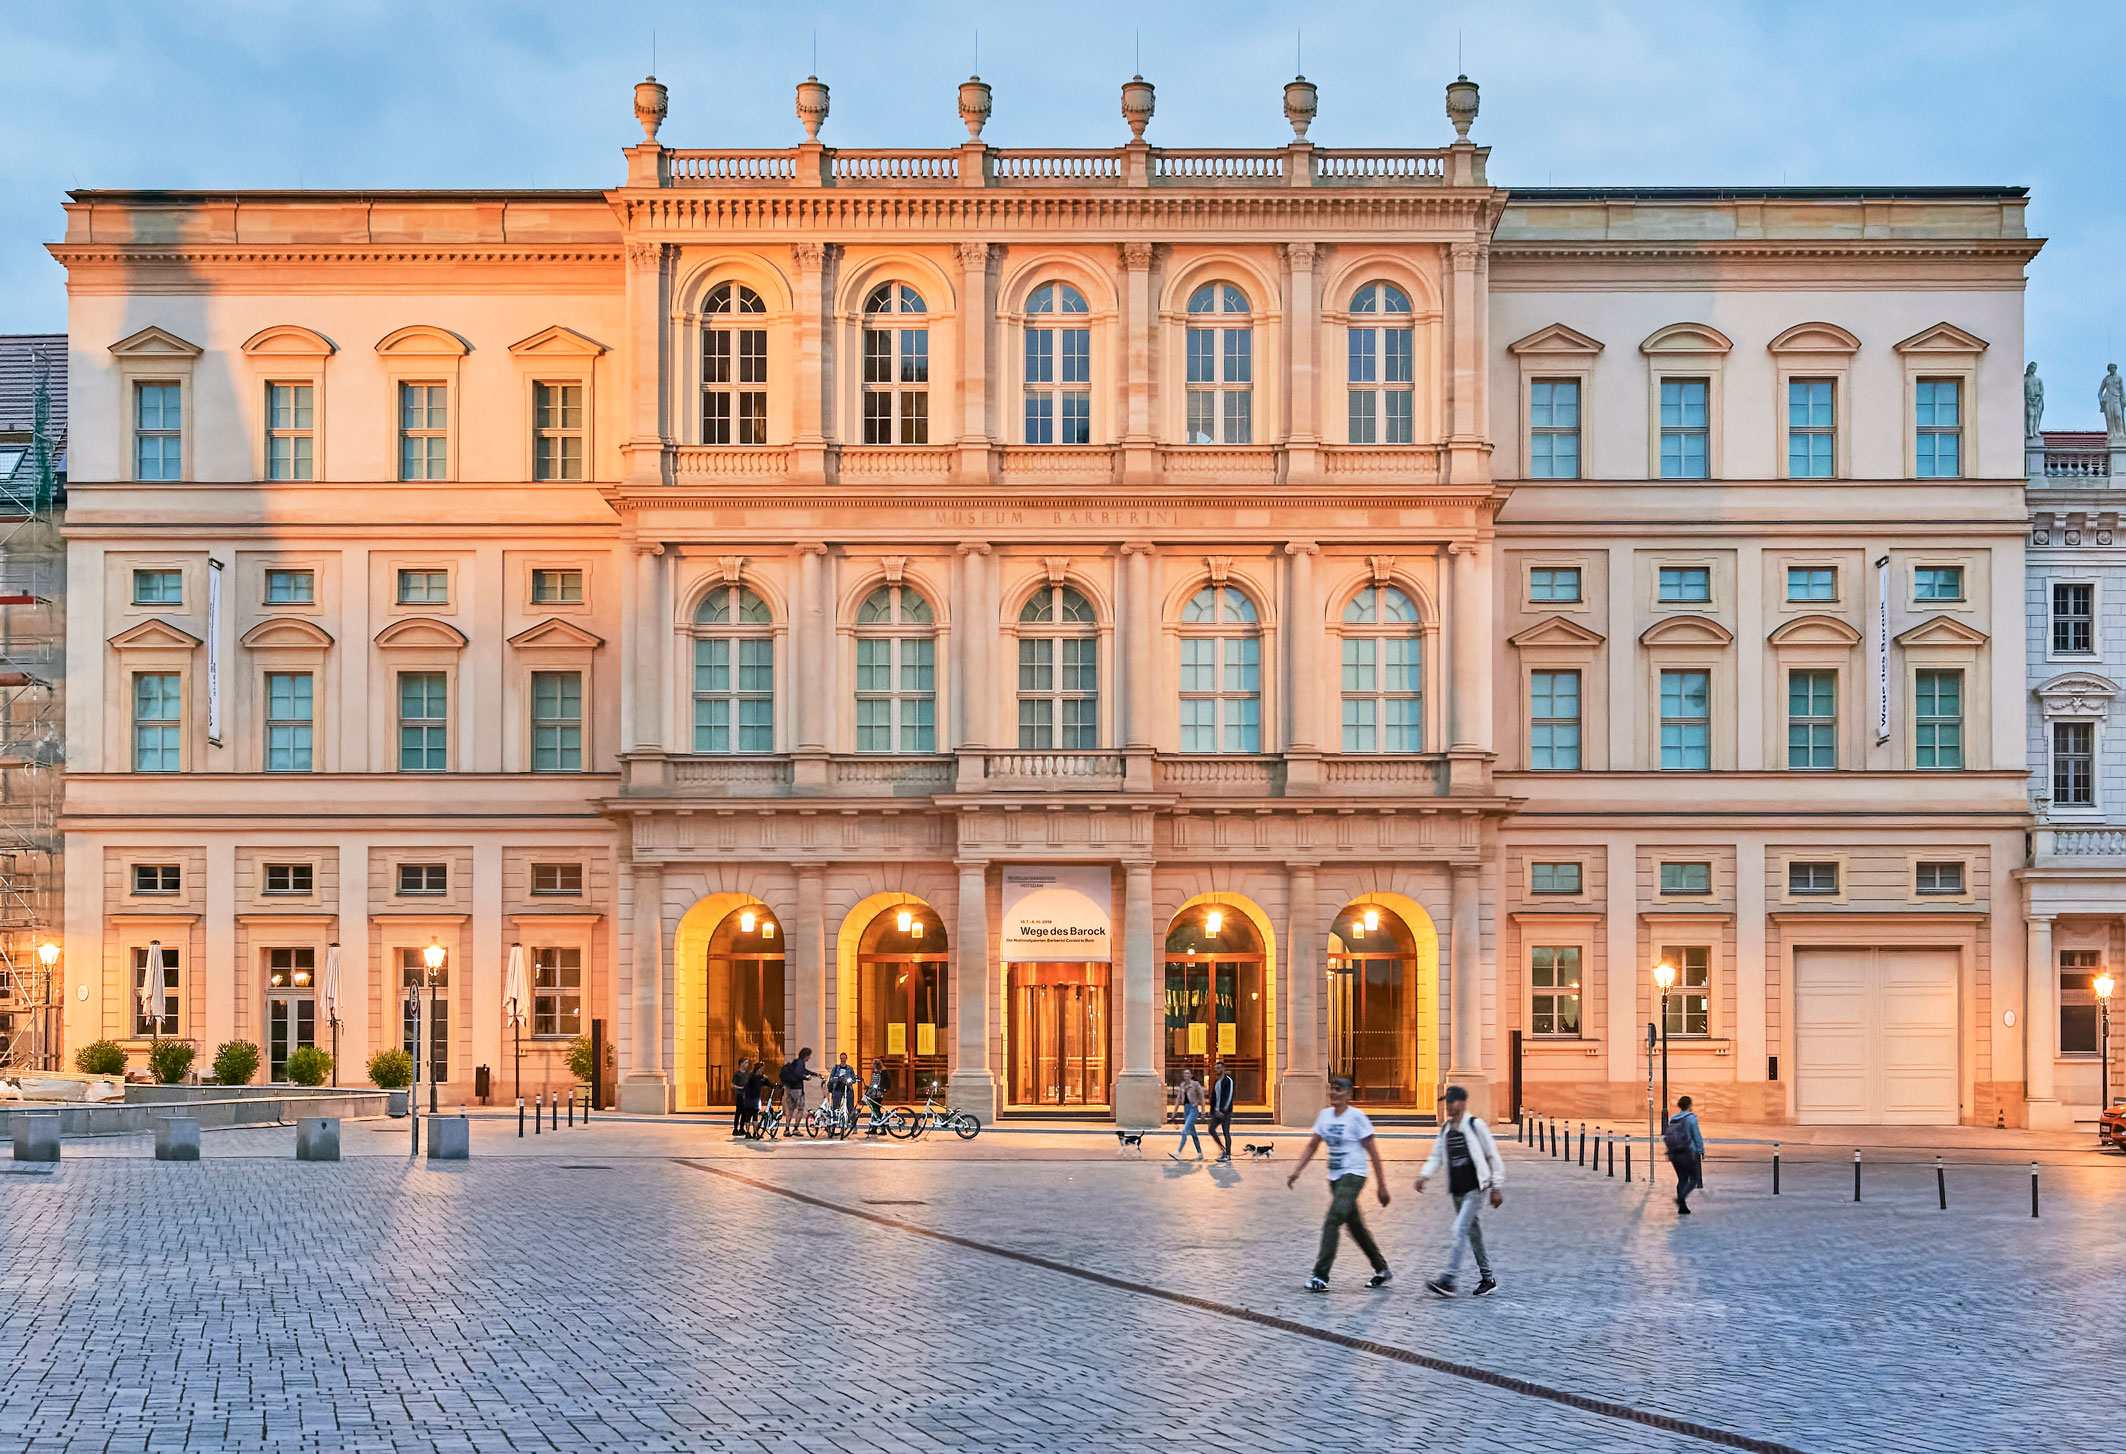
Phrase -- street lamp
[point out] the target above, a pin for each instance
(433, 956)
(1664, 976)
(2102, 986)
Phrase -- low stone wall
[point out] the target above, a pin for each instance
(212, 1105)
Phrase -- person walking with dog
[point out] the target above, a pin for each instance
(1347, 1132)
(1220, 1120)
(1685, 1144)
(1475, 1170)
(1189, 1096)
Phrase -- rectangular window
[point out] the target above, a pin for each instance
(1554, 980)
(288, 721)
(424, 588)
(1553, 878)
(1554, 583)
(291, 588)
(1945, 879)
(2081, 1023)
(158, 432)
(289, 878)
(1810, 434)
(1939, 425)
(156, 878)
(2073, 619)
(424, 432)
(1811, 583)
(1686, 721)
(156, 721)
(1554, 721)
(1684, 428)
(424, 878)
(557, 721)
(561, 879)
(150, 1023)
(2074, 764)
(1812, 720)
(557, 445)
(1690, 993)
(1938, 583)
(750, 694)
(1687, 880)
(557, 587)
(291, 435)
(1938, 719)
(1688, 583)
(557, 992)
(424, 721)
(1554, 429)
(158, 588)
(1812, 880)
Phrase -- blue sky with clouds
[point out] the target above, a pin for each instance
(482, 93)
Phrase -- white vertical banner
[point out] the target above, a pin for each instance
(214, 651)
(1882, 650)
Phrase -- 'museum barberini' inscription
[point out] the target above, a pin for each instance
(1050, 519)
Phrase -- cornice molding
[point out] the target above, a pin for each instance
(152, 254)
(2019, 249)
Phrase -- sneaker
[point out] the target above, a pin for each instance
(1317, 1284)
(1173, 1156)
(1441, 1287)
(1489, 1284)
(1227, 1157)
(1381, 1278)
(1682, 1209)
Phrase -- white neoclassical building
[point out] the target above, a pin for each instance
(1046, 618)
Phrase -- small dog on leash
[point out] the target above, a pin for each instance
(1129, 1141)
(1260, 1153)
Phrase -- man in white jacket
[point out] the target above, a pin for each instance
(1466, 1148)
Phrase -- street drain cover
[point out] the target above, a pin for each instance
(583, 1166)
(889, 1202)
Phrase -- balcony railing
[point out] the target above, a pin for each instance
(904, 168)
(2081, 843)
(1200, 775)
(2072, 454)
(1036, 770)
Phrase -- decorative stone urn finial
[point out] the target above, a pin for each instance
(1301, 101)
(812, 105)
(974, 105)
(1137, 97)
(1461, 106)
(651, 103)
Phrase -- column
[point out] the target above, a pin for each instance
(2041, 1026)
(1752, 1053)
(646, 313)
(1139, 445)
(972, 1085)
(352, 909)
(1140, 1093)
(644, 1089)
(646, 724)
(974, 362)
(1620, 923)
(810, 644)
(1469, 695)
(807, 965)
(1467, 458)
(812, 435)
(1301, 462)
(974, 624)
(1305, 1089)
(1140, 623)
(1751, 659)
(1309, 674)
(219, 1000)
(1466, 966)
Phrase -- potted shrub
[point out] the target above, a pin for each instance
(169, 1060)
(392, 1071)
(308, 1065)
(235, 1062)
(100, 1057)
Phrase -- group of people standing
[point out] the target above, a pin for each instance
(1194, 1098)
(757, 1097)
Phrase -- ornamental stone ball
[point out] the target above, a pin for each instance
(812, 106)
(974, 105)
(1461, 105)
(1301, 101)
(2033, 402)
(1137, 98)
(2111, 398)
(651, 103)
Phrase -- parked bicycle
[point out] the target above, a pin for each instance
(934, 1117)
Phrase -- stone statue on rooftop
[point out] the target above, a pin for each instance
(2111, 398)
(2033, 402)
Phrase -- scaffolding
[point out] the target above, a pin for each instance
(32, 707)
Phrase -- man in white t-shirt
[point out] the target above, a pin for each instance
(1348, 1135)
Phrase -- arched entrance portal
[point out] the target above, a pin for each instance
(901, 1010)
(1383, 1004)
(1215, 1001)
(746, 1006)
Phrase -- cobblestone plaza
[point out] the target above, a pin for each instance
(656, 1287)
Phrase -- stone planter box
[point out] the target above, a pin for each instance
(211, 1106)
(395, 1102)
(449, 1138)
(36, 1136)
(177, 1138)
(317, 1138)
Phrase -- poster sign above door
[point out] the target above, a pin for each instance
(1056, 913)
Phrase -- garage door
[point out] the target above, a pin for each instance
(1875, 1035)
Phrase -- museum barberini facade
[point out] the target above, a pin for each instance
(1044, 619)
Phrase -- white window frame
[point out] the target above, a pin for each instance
(537, 724)
(1579, 991)
(2053, 651)
(302, 462)
(1033, 628)
(1375, 633)
(1943, 351)
(896, 622)
(1814, 351)
(1367, 331)
(1222, 323)
(1044, 334)
(1687, 351)
(733, 312)
(424, 724)
(1812, 720)
(1236, 713)
(552, 465)
(907, 399)
(740, 624)
(1556, 353)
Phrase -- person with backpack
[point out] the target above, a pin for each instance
(1221, 1117)
(1348, 1133)
(875, 1097)
(1475, 1170)
(1685, 1145)
(841, 1089)
(793, 1078)
(758, 1087)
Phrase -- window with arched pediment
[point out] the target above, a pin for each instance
(1382, 392)
(1221, 366)
(1059, 366)
(1221, 672)
(1383, 672)
(896, 366)
(1059, 672)
(734, 672)
(896, 672)
(734, 367)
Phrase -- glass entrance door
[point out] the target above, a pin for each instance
(745, 1017)
(1379, 1025)
(291, 1021)
(1059, 1035)
(1214, 1006)
(900, 1020)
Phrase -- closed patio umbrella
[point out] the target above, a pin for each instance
(150, 989)
(328, 990)
(516, 997)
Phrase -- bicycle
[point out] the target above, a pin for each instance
(829, 1121)
(934, 1117)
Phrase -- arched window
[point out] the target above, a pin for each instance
(1383, 678)
(896, 366)
(896, 672)
(1059, 672)
(1221, 673)
(1221, 366)
(734, 673)
(734, 368)
(1380, 365)
(1059, 368)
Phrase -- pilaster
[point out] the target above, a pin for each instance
(645, 1090)
(972, 1085)
(2041, 1027)
(1305, 1087)
(1466, 959)
(1306, 661)
(647, 307)
(1140, 459)
(975, 315)
(814, 418)
(1302, 456)
(1140, 1094)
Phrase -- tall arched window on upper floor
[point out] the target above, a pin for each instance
(1221, 366)
(896, 672)
(1059, 367)
(734, 367)
(1383, 675)
(1059, 672)
(896, 366)
(1380, 368)
(1221, 672)
(734, 672)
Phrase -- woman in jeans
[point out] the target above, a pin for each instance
(1190, 1096)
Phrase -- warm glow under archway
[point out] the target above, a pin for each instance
(916, 993)
(1219, 1008)
(1383, 1002)
(697, 929)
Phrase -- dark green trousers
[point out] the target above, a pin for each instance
(1344, 1193)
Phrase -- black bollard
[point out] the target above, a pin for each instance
(1627, 1160)
(1583, 1143)
(1612, 1156)
(1941, 1184)
(2033, 1188)
(1775, 1168)
(520, 1118)
(1856, 1173)
(538, 1114)
(572, 1105)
